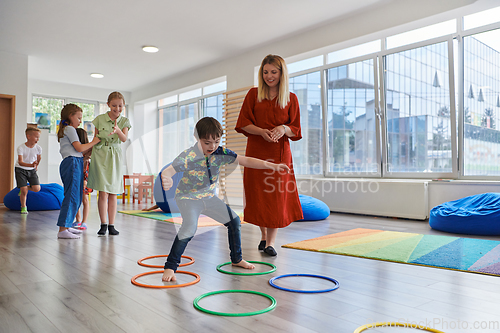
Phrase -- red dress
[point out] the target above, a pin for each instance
(271, 199)
(86, 190)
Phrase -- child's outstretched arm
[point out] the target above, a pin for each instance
(255, 163)
(79, 147)
(166, 177)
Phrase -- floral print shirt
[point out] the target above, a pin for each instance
(200, 172)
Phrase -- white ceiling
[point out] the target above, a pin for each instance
(66, 40)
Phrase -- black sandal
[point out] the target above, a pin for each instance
(262, 245)
(270, 251)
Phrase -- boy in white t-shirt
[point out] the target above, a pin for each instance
(29, 155)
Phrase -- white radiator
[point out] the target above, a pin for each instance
(394, 198)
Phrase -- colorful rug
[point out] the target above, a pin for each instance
(462, 254)
(203, 221)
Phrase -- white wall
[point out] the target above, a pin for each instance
(142, 151)
(404, 198)
(57, 89)
(440, 192)
(14, 81)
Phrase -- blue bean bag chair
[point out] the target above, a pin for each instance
(49, 197)
(474, 215)
(166, 199)
(313, 209)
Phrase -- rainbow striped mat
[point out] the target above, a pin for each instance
(158, 214)
(462, 254)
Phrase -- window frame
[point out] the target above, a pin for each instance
(461, 91)
(66, 100)
(198, 115)
(323, 162)
(454, 174)
(376, 86)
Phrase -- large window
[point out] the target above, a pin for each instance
(169, 138)
(89, 111)
(47, 111)
(351, 122)
(212, 107)
(389, 107)
(308, 152)
(177, 117)
(481, 98)
(417, 104)
(396, 110)
(188, 115)
(176, 129)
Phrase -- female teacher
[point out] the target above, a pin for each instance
(269, 118)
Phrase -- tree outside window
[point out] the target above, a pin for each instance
(47, 106)
(47, 111)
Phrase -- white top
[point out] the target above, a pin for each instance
(30, 155)
(66, 143)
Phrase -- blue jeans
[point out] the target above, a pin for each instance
(211, 207)
(71, 171)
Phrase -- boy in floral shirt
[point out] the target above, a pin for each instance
(195, 193)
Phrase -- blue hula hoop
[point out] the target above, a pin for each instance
(337, 285)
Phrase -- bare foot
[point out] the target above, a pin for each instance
(168, 275)
(244, 264)
(150, 208)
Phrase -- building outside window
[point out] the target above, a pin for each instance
(351, 119)
(481, 98)
(417, 103)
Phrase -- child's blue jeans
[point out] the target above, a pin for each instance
(211, 207)
(71, 171)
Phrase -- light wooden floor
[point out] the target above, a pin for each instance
(51, 285)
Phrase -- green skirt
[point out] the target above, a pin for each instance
(105, 171)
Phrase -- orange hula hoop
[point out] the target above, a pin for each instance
(165, 287)
(140, 261)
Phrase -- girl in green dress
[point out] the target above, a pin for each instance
(105, 174)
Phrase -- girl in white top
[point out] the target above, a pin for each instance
(71, 168)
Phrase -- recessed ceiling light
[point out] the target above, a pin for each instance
(150, 49)
(97, 75)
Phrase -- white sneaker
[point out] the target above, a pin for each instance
(67, 235)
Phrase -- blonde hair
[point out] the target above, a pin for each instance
(116, 95)
(263, 91)
(67, 111)
(32, 129)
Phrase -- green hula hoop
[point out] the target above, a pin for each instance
(253, 262)
(231, 314)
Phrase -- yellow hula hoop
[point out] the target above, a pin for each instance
(394, 324)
